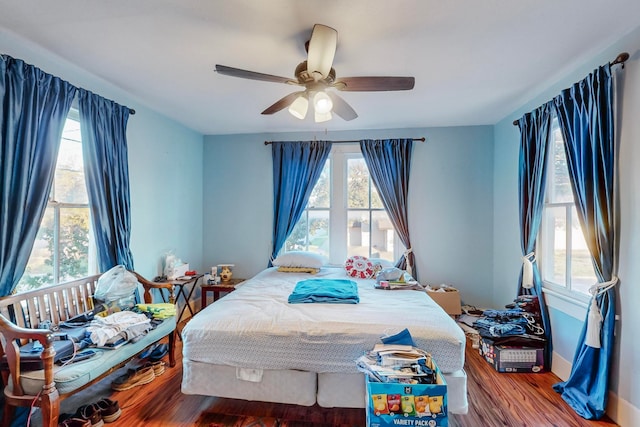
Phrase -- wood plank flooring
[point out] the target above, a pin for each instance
(494, 400)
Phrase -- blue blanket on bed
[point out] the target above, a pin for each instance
(336, 291)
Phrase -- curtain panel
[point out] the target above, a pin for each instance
(33, 109)
(297, 166)
(389, 163)
(535, 128)
(103, 125)
(585, 115)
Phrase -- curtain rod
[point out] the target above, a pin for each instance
(620, 59)
(423, 139)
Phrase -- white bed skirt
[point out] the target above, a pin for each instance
(329, 390)
(280, 386)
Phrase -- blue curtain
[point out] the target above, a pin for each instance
(296, 169)
(389, 164)
(103, 125)
(33, 109)
(585, 115)
(535, 128)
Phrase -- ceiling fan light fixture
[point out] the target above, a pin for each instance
(322, 103)
(299, 107)
(323, 117)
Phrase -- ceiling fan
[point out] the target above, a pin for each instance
(316, 75)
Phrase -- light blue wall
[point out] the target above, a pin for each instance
(165, 167)
(625, 376)
(450, 207)
(209, 200)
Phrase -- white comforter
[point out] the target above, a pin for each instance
(255, 327)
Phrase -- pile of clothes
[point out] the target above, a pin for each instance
(519, 324)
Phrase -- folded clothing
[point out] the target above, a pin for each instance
(159, 311)
(340, 291)
(30, 354)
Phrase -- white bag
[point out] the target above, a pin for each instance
(115, 284)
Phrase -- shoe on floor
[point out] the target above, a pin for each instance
(75, 422)
(91, 413)
(109, 409)
(133, 378)
(147, 351)
(157, 366)
(159, 352)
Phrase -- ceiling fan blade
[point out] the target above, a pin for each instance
(366, 84)
(322, 49)
(244, 74)
(282, 103)
(341, 108)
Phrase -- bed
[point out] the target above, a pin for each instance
(253, 345)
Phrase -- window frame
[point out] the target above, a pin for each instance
(338, 206)
(57, 211)
(560, 296)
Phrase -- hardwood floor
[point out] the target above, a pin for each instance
(494, 400)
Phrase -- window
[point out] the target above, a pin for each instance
(64, 248)
(565, 262)
(344, 215)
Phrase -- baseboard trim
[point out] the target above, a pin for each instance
(619, 410)
(560, 366)
(622, 412)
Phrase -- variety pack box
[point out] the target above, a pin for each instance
(395, 404)
(448, 298)
(505, 358)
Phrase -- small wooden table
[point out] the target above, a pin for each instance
(225, 287)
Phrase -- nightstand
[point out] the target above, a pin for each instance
(224, 287)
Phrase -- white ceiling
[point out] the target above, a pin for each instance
(474, 61)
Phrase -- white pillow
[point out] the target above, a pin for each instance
(299, 259)
(383, 263)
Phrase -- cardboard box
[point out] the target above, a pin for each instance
(394, 404)
(449, 300)
(512, 359)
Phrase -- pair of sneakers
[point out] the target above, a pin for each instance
(139, 376)
(93, 414)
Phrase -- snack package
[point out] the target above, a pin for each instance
(393, 403)
(408, 405)
(422, 405)
(380, 403)
(435, 404)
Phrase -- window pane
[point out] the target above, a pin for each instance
(39, 269)
(357, 184)
(554, 240)
(69, 184)
(358, 233)
(311, 233)
(582, 274)
(321, 194)
(74, 243)
(319, 232)
(559, 190)
(376, 202)
(297, 240)
(382, 236)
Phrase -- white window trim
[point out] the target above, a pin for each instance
(338, 213)
(572, 305)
